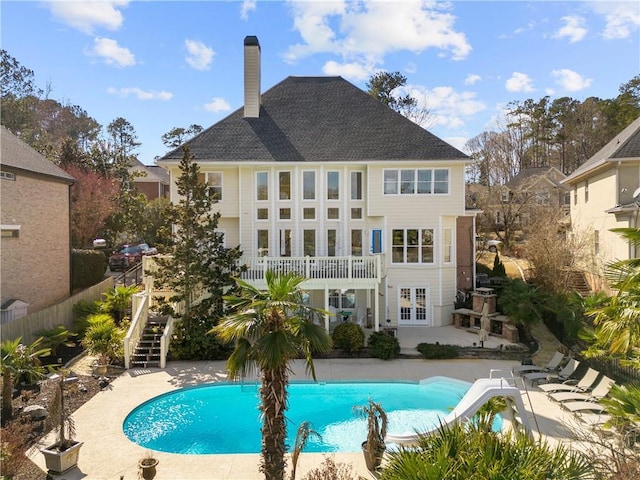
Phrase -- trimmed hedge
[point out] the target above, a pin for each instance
(383, 346)
(348, 337)
(87, 268)
(437, 351)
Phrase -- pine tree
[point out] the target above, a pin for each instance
(199, 268)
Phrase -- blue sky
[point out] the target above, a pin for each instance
(164, 64)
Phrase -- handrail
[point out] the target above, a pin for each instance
(140, 307)
(165, 340)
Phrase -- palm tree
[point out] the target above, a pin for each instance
(19, 361)
(617, 330)
(271, 328)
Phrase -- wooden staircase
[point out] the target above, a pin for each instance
(578, 282)
(147, 352)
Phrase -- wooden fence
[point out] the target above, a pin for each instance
(59, 314)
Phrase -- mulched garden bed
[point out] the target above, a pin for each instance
(22, 432)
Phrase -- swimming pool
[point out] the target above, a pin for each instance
(224, 418)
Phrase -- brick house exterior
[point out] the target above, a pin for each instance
(36, 239)
(150, 180)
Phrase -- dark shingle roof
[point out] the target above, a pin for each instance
(17, 154)
(317, 119)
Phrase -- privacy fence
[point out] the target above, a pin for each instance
(59, 314)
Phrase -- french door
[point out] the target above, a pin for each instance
(413, 306)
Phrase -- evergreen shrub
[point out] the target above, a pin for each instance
(348, 337)
(383, 346)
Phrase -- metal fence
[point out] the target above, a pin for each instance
(611, 368)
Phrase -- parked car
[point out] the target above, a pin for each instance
(129, 255)
(493, 245)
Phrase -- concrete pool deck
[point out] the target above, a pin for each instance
(108, 454)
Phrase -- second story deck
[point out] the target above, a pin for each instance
(321, 272)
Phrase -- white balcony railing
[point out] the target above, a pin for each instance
(362, 269)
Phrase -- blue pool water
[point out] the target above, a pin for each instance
(224, 418)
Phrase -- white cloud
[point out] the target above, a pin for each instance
(140, 94)
(472, 79)
(217, 104)
(519, 82)
(200, 56)
(622, 18)
(88, 15)
(247, 6)
(373, 29)
(351, 71)
(112, 53)
(570, 80)
(573, 29)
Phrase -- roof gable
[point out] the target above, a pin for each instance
(317, 119)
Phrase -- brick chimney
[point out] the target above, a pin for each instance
(251, 77)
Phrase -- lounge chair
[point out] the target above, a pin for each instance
(561, 376)
(583, 406)
(551, 366)
(593, 419)
(600, 390)
(582, 385)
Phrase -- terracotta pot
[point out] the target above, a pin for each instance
(148, 467)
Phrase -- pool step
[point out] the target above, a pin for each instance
(147, 352)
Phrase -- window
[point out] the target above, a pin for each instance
(331, 243)
(263, 243)
(575, 194)
(309, 213)
(8, 176)
(356, 213)
(412, 245)
(263, 214)
(333, 214)
(504, 196)
(440, 181)
(262, 186)
(309, 185)
(447, 245)
(356, 185)
(10, 231)
(596, 242)
(356, 243)
(333, 185)
(284, 182)
(342, 299)
(285, 242)
(416, 181)
(542, 197)
(214, 182)
(376, 241)
(309, 247)
(285, 214)
(586, 190)
(390, 182)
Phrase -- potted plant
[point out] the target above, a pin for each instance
(373, 447)
(147, 465)
(63, 454)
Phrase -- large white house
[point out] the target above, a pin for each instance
(314, 175)
(605, 194)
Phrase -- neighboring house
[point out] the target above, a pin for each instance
(151, 180)
(317, 176)
(36, 239)
(538, 188)
(605, 194)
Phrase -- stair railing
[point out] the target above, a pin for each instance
(140, 307)
(165, 340)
